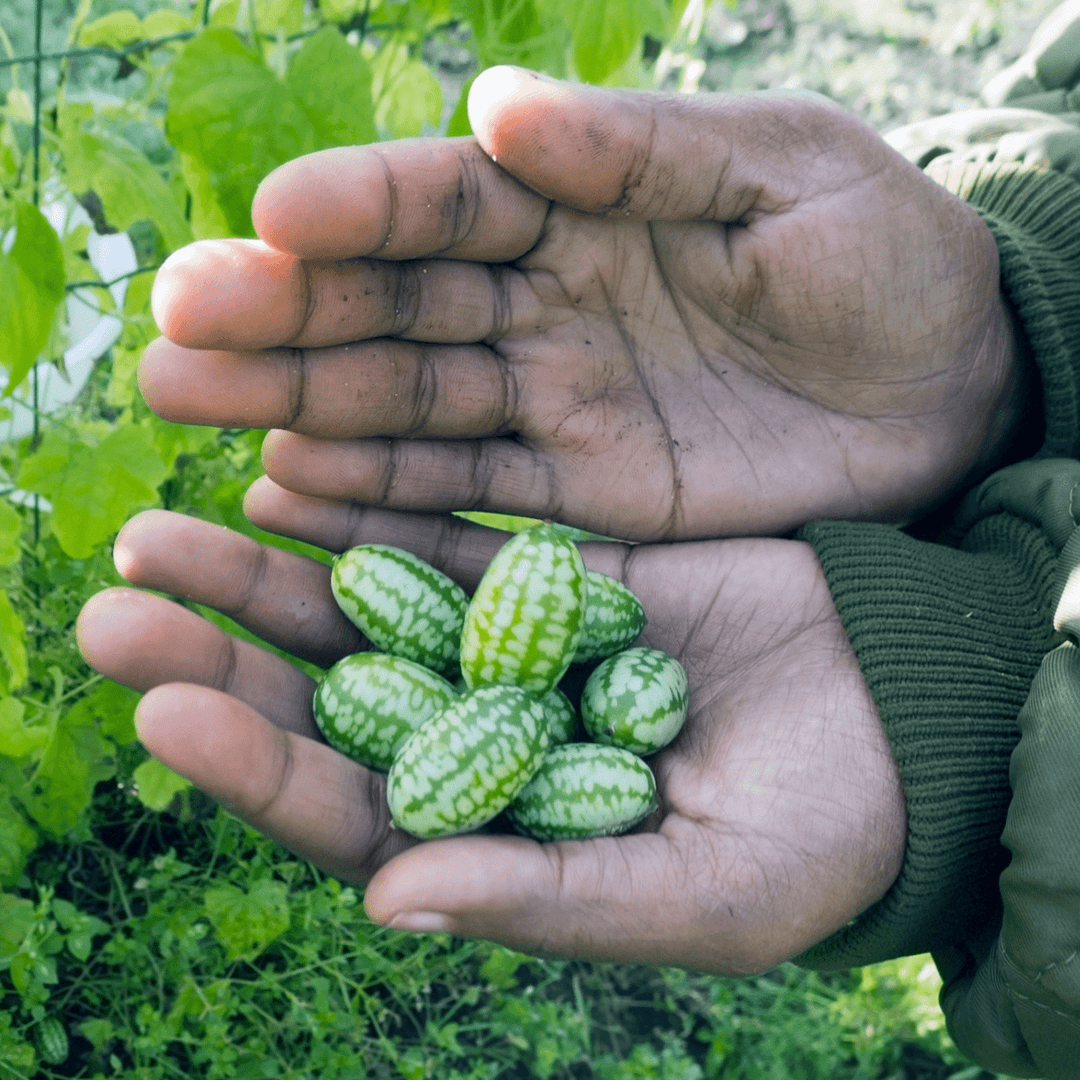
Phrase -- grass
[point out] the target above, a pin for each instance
(198, 948)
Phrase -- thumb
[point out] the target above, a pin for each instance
(573, 898)
(665, 156)
(635, 898)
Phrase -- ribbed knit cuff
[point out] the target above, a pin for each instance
(948, 641)
(1034, 216)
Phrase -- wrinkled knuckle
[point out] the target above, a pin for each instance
(386, 465)
(406, 297)
(307, 300)
(253, 576)
(462, 202)
(294, 388)
(423, 393)
(368, 820)
(225, 669)
(259, 799)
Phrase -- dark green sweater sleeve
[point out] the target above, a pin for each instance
(951, 633)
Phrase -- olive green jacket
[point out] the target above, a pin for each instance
(966, 626)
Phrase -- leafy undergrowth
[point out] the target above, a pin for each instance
(198, 948)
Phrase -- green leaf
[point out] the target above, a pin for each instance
(500, 25)
(606, 32)
(16, 921)
(208, 221)
(332, 83)
(407, 93)
(80, 928)
(17, 840)
(340, 11)
(122, 376)
(31, 288)
(129, 185)
(94, 489)
(163, 22)
(112, 30)
(11, 526)
(173, 440)
(157, 785)
(99, 1033)
(16, 739)
(112, 708)
(458, 124)
(245, 923)
(76, 759)
(284, 15)
(12, 643)
(499, 968)
(238, 122)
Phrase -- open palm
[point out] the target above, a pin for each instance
(781, 813)
(651, 316)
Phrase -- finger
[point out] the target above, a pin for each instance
(144, 641)
(283, 598)
(457, 547)
(242, 294)
(661, 156)
(415, 475)
(385, 388)
(301, 793)
(617, 497)
(412, 198)
(634, 898)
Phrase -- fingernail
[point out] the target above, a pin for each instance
(425, 922)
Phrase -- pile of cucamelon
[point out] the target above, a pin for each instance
(502, 738)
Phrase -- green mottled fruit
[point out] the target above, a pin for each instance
(524, 620)
(401, 604)
(636, 699)
(614, 618)
(584, 790)
(561, 715)
(368, 704)
(466, 763)
(52, 1040)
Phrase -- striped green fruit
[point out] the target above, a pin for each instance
(401, 604)
(524, 620)
(636, 699)
(614, 618)
(52, 1040)
(583, 790)
(466, 763)
(368, 704)
(561, 715)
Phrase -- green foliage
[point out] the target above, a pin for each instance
(31, 286)
(127, 183)
(93, 489)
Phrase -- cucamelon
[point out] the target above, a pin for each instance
(524, 621)
(368, 704)
(401, 604)
(636, 699)
(463, 766)
(614, 618)
(584, 790)
(52, 1040)
(561, 715)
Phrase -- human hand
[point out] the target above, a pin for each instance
(781, 811)
(651, 316)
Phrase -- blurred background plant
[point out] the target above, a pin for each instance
(144, 932)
